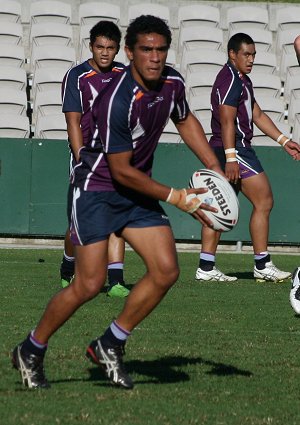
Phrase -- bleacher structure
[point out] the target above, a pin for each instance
(41, 39)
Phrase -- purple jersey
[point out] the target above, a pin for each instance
(128, 118)
(233, 89)
(80, 86)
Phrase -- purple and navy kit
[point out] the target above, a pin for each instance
(128, 118)
(232, 89)
(81, 85)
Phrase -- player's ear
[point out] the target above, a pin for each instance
(129, 53)
(231, 54)
(91, 47)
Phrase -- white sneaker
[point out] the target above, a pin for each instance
(214, 274)
(270, 273)
(295, 291)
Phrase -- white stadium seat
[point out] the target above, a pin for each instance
(12, 55)
(263, 38)
(53, 33)
(273, 107)
(13, 101)
(93, 12)
(239, 16)
(45, 79)
(13, 78)
(200, 106)
(287, 17)
(265, 62)
(202, 59)
(198, 36)
(199, 83)
(294, 109)
(154, 9)
(198, 14)
(11, 33)
(260, 139)
(47, 102)
(296, 128)
(10, 11)
(266, 84)
(13, 125)
(288, 61)
(51, 127)
(54, 11)
(286, 38)
(170, 134)
(62, 57)
(292, 85)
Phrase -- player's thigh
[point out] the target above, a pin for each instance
(258, 190)
(91, 264)
(155, 245)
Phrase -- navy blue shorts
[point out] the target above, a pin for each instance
(247, 159)
(95, 215)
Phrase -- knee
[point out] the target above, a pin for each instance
(87, 289)
(168, 277)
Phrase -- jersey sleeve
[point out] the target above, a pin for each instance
(229, 92)
(181, 107)
(71, 95)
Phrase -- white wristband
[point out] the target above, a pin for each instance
(285, 142)
(231, 160)
(170, 195)
(280, 137)
(230, 150)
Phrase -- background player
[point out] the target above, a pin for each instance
(78, 96)
(115, 192)
(234, 110)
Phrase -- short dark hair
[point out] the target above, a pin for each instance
(237, 40)
(106, 29)
(145, 24)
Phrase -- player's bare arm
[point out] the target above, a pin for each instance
(267, 126)
(128, 176)
(193, 135)
(74, 132)
(227, 120)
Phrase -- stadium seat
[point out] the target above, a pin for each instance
(47, 79)
(296, 128)
(294, 109)
(51, 127)
(170, 134)
(189, 15)
(53, 33)
(266, 84)
(54, 11)
(52, 56)
(287, 17)
(239, 16)
(200, 37)
(13, 125)
(92, 12)
(199, 83)
(202, 59)
(13, 101)
(263, 38)
(273, 107)
(288, 60)
(11, 33)
(292, 85)
(285, 38)
(10, 11)
(200, 106)
(13, 78)
(47, 102)
(12, 55)
(265, 62)
(171, 58)
(154, 9)
(260, 139)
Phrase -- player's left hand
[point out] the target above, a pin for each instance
(293, 149)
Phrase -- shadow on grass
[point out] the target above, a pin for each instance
(169, 370)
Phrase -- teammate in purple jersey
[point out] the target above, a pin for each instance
(80, 87)
(234, 110)
(115, 193)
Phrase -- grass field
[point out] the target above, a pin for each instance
(211, 353)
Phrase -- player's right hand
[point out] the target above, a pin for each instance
(232, 172)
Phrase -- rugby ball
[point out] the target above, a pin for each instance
(220, 195)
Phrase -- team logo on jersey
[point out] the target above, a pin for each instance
(155, 101)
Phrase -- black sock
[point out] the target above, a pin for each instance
(67, 268)
(261, 264)
(206, 265)
(115, 276)
(108, 339)
(28, 346)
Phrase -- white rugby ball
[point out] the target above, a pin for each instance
(220, 195)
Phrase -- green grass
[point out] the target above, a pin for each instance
(209, 354)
